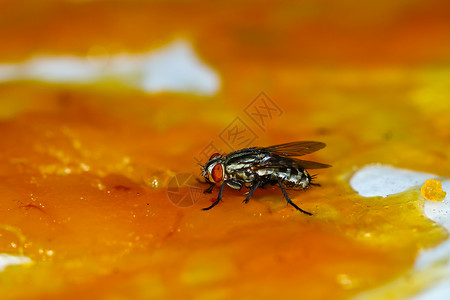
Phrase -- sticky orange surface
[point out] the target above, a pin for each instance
(85, 169)
(432, 190)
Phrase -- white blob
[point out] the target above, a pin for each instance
(440, 253)
(177, 68)
(440, 291)
(379, 180)
(9, 260)
(173, 68)
(60, 69)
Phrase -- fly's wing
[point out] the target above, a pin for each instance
(307, 164)
(294, 148)
(288, 162)
(276, 161)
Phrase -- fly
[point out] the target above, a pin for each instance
(260, 167)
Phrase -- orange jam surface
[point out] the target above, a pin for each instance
(432, 190)
(87, 171)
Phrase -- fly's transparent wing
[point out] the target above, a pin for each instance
(307, 164)
(294, 148)
(288, 162)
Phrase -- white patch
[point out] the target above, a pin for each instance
(177, 68)
(9, 260)
(379, 180)
(173, 68)
(439, 292)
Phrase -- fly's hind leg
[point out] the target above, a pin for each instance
(290, 201)
(254, 187)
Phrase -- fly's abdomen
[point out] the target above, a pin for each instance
(291, 178)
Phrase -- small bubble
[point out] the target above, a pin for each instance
(33, 180)
(153, 182)
(85, 167)
(126, 160)
(345, 281)
(100, 186)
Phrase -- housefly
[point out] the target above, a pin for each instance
(260, 167)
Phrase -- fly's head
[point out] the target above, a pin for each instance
(213, 171)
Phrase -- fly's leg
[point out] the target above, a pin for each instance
(219, 197)
(290, 201)
(209, 189)
(254, 187)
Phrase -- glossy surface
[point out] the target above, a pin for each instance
(85, 169)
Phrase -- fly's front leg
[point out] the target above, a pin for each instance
(290, 201)
(209, 189)
(254, 187)
(219, 197)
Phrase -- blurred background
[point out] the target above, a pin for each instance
(157, 60)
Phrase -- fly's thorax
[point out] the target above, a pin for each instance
(242, 162)
(245, 175)
(243, 158)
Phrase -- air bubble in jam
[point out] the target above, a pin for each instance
(153, 182)
(12, 241)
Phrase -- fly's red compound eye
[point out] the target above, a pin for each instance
(217, 173)
(214, 155)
